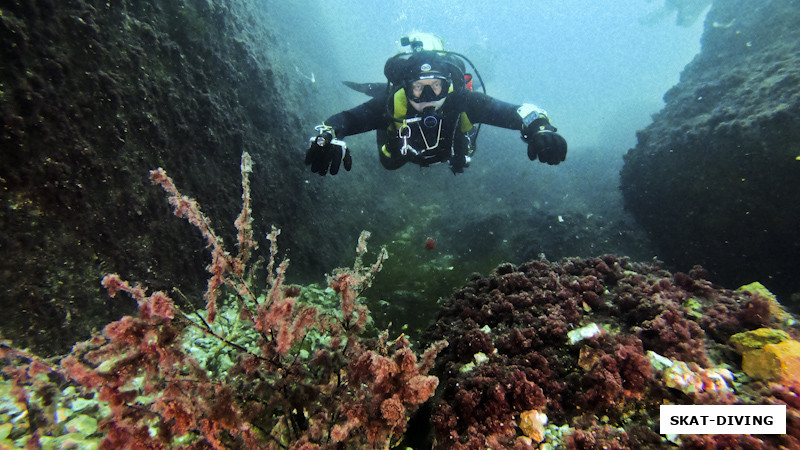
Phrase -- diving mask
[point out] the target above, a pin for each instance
(428, 89)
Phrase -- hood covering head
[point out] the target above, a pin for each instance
(427, 65)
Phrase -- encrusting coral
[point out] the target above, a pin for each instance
(281, 389)
(595, 345)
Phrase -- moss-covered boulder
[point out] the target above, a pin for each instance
(757, 339)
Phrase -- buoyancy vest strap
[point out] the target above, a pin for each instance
(400, 108)
(466, 125)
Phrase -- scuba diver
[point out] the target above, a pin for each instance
(426, 114)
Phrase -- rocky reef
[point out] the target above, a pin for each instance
(93, 94)
(715, 179)
(581, 354)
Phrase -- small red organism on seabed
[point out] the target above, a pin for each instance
(430, 243)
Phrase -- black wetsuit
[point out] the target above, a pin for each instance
(429, 142)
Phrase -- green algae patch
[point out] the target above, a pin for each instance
(757, 339)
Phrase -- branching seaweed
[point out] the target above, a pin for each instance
(294, 376)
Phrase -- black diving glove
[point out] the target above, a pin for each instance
(543, 141)
(326, 153)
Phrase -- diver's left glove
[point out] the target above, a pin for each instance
(326, 153)
(543, 141)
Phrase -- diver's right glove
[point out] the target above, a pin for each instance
(326, 153)
(543, 141)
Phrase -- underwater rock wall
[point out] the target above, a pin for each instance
(93, 95)
(715, 179)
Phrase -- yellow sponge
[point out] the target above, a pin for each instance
(774, 362)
